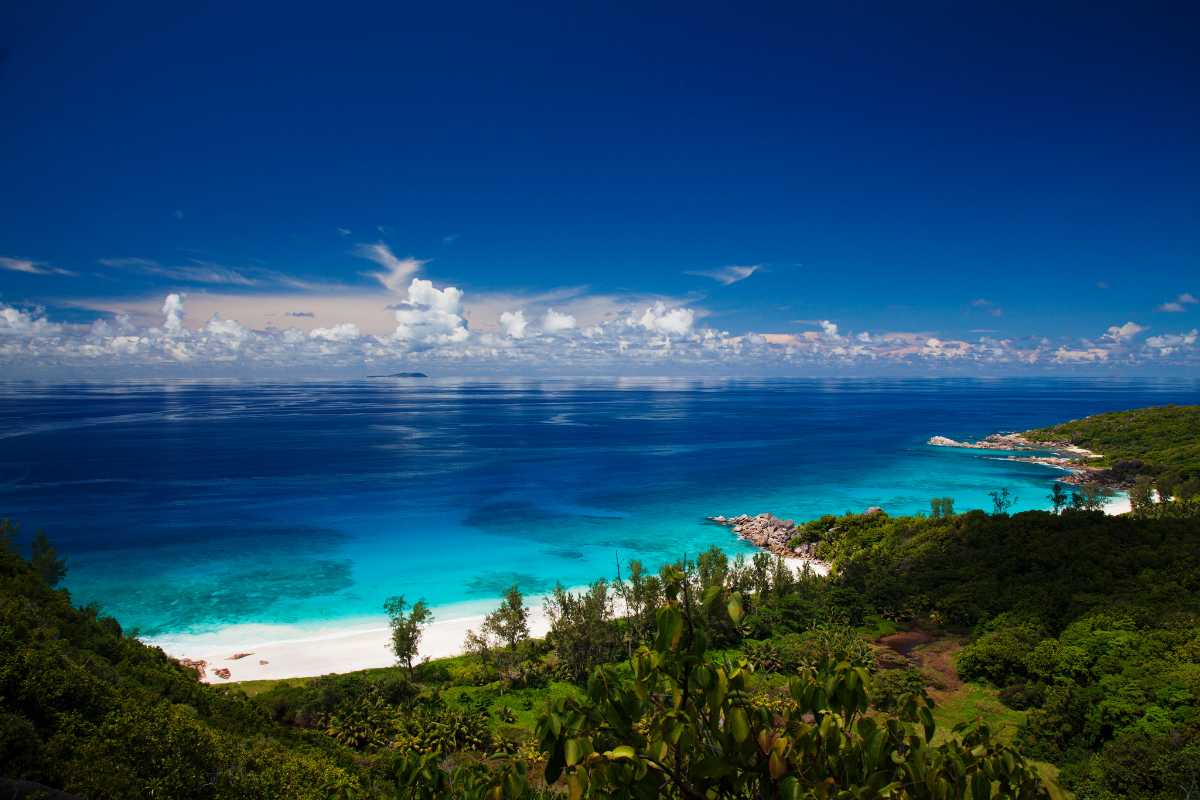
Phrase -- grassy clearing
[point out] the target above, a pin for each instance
(973, 702)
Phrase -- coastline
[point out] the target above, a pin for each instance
(301, 651)
(255, 651)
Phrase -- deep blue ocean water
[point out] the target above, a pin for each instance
(186, 507)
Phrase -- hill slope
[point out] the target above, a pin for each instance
(1165, 438)
(88, 710)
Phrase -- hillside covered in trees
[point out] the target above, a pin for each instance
(1161, 441)
(1061, 644)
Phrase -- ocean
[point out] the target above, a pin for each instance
(183, 508)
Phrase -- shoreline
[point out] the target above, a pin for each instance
(269, 651)
(299, 650)
(339, 646)
(1068, 457)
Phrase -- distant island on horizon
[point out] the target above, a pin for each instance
(401, 375)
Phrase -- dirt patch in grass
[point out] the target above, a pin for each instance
(933, 655)
(904, 641)
(937, 659)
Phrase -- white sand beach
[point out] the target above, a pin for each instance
(1118, 504)
(294, 651)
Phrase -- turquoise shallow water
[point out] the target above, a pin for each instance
(187, 507)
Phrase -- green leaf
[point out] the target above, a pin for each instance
(574, 751)
(670, 628)
(734, 607)
(739, 725)
(622, 753)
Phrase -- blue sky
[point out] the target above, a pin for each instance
(699, 181)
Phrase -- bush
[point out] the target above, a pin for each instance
(1021, 696)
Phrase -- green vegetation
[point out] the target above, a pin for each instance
(1163, 442)
(85, 708)
(951, 655)
(406, 628)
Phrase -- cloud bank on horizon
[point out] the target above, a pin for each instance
(560, 331)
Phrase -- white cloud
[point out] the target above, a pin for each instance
(1177, 305)
(669, 321)
(345, 332)
(557, 322)
(32, 267)
(1065, 355)
(513, 324)
(173, 311)
(16, 322)
(728, 275)
(396, 271)
(430, 315)
(1123, 333)
(1169, 343)
(228, 332)
(430, 327)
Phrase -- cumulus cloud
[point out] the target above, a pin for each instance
(1178, 305)
(15, 322)
(669, 321)
(1066, 355)
(513, 324)
(430, 328)
(1167, 344)
(1123, 333)
(345, 332)
(430, 315)
(557, 322)
(728, 275)
(32, 267)
(396, 271)
(173, 312)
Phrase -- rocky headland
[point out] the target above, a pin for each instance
(1065, 456)
(769, 532)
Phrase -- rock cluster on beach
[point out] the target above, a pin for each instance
(767, 532)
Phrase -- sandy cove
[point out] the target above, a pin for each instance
(261, 651)
(258, 651)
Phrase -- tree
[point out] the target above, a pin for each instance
(941, 507)
(45, 560)
(1089, 497)
(678, 723)
(1141, 496)
(510, 622)
(1058, 496)
(1002, 501)
(582, 629)
(642, 595)
(406, 627)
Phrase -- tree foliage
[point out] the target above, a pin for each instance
(406, 625)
